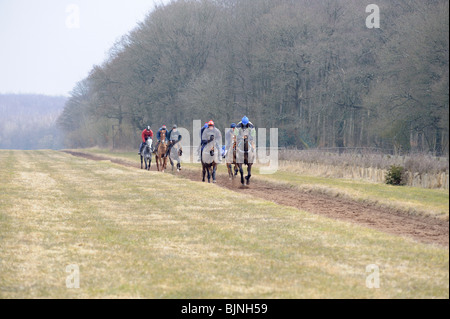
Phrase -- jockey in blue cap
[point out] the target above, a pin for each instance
(158, 136)
(244, 125)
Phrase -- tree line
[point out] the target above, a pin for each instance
(28, 121)
(310, 68)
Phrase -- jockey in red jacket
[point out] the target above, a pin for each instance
(147, 133)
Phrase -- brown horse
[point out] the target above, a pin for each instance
(231, 160)
(161, 153)
(210, 159)
(246, 156)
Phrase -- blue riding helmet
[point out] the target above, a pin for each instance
(206, 125)
(245, 120)
(233, 125)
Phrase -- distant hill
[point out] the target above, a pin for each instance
(28, 121)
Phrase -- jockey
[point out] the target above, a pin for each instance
(200, 146)
(147, 133)
(212, 133)
(229, 138)
(243, 125)
(158, 136)
(174, 137)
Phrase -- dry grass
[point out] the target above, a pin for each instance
(141, 234)
(415, 163)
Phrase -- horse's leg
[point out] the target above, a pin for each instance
(141, 162)
(249, 171)
(241, 170)
(209, 175)
(157, 162)
(214, 173)
(230, 174)
(171, 162)
(203, 172)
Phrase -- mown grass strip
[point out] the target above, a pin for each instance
(144, 234)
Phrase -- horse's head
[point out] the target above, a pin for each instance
(149, 142)
(163, 136)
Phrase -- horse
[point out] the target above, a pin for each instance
(245, 156)
(231, 160)
(146, 154)
(174, 155)
(161, 153)
(210, 159)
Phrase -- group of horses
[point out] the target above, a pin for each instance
(161, 154)
(240, 153)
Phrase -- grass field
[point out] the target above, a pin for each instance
(138, 234)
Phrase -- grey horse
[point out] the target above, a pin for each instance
(175, 155)
(146, 154)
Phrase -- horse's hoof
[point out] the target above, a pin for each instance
(214, 182)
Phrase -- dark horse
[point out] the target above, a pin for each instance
(245, 156)
(146, 154)
(210, 159)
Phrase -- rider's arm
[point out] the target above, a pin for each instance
(143, 136)
(205, 136)
(218, 138)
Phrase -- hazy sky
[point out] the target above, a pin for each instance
(45, 49)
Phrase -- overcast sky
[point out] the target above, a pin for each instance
(45, 49)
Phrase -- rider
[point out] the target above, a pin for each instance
(158, 136)
(146, 133)
(243, 125)
(174, 137)
(212, 133)
(200, 146)
(229, 138)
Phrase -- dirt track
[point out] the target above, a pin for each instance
(420, 228)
